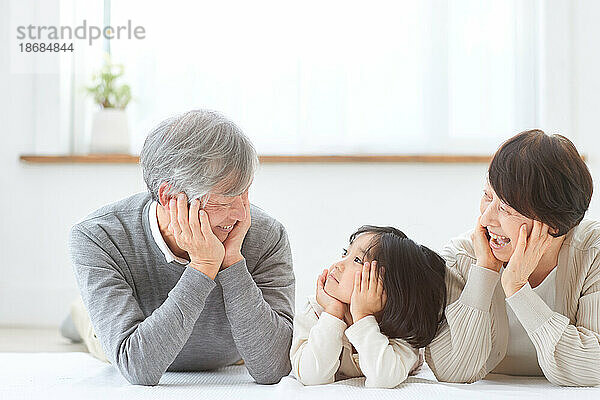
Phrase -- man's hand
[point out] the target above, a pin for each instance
(193, 234)
(483, 252)
(330, 304)
(526, 257)
(233, 243)
(368, 297)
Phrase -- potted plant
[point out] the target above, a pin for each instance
(110, 130)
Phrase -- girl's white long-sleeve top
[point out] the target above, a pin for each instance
(322, 353)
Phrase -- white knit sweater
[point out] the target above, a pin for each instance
(319, 338)
(474, 339)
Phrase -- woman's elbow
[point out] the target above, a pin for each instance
(592, 379)
(453, 376)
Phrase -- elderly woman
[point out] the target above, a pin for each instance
(188, 276)
(524, 287)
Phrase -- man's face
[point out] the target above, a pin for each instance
(224, 212)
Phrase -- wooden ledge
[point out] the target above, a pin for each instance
(269, 159)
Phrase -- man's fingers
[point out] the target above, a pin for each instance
(173, 214)
(194, 218)
(182, 214)
(205, 225)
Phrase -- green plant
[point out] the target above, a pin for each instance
(105, 90)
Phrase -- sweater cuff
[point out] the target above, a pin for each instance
(529, 308)
(236, 277)
(192, 289)
(332, 324)
(357, 331)
(480, 287)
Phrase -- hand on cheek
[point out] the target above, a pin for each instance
(330, 304)
(192, 233)
(483, 252)
(526, 257)
(368, 297)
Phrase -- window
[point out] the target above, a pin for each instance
(334, 77)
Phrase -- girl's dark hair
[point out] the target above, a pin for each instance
(414, 283)
(543, 178)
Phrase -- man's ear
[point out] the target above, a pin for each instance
(164, 194)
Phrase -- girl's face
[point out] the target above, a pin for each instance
(340, 279)
(502, 223)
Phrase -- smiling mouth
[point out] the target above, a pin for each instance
(226, 228)
(333, 277)
(497, 242)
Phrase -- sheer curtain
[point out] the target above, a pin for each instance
(338, 77)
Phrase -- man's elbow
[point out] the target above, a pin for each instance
(138, 374)
(273, 375)
(142, 380)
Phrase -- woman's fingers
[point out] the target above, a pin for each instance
(522, 241)
(537, 227)
(544, 230)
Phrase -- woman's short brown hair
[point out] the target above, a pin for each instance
(543, 178)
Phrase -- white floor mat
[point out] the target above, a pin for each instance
(79, 376)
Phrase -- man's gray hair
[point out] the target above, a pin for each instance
(196, 152)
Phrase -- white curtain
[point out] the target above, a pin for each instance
(337, 77)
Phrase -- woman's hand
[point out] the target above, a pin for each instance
(483, 252)
(368, 297)
(194, 235)
(526, 257)
(233, 243)
(330, 304)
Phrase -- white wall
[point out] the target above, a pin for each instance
(319, 204)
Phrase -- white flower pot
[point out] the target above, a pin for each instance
(110, 132)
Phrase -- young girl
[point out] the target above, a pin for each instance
(376, 306)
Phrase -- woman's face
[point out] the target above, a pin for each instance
(502, 223)
(340, 279)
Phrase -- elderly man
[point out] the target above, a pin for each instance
(189, 276)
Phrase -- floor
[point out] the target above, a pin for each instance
(30, 340)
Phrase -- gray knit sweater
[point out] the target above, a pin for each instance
(152, 316)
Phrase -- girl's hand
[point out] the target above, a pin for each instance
(483, 252)
(331, 305)
(368, 297)
(526, 257)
